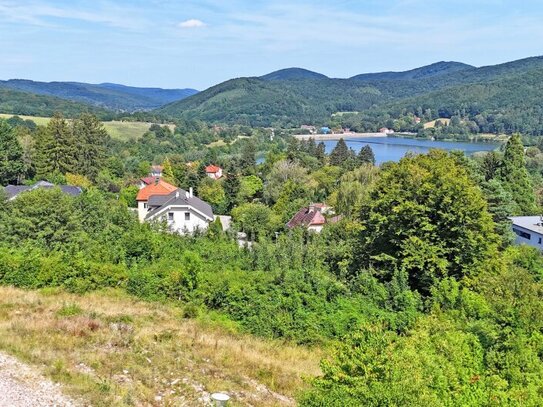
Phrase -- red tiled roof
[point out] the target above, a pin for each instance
(156, 188)
(306, 217)
(148, 180)
(212, 169)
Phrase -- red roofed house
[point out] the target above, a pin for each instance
(214, 171)
(310, 217)
(158, 187)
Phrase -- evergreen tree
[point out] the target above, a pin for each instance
(320, 152)
(366, 155)
(56, 149)
(248, 157)
(91, 138)
(12, 166)
(490, 165)
(515, 177)
(340, 154)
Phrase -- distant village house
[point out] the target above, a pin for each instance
(312, 217)
(214, 171)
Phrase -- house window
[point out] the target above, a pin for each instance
(187, 215)
(539, 241)
(145, 205)
(522, 234)
(170, 215)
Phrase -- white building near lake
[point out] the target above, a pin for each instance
(528, 230)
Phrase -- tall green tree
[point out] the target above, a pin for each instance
(56, 149)
(91, 138)
(366, 155)
(425, 215)
(12, 166)
(515, 177)
(340, 153)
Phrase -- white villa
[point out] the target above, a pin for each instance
(183, 212)
(528, 230)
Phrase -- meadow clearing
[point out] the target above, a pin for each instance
(160, 358)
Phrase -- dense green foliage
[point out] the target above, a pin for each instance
(24, 103)
(415, 291)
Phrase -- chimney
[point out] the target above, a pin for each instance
(190, 192)
(177, 194)
(157, 179)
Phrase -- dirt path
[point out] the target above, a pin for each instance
(22, 386)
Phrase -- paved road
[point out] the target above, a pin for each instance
(23, 386)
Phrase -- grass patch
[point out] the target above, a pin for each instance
(69, 310)
(112, 350)
(116, 129)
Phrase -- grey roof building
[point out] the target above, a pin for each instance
(528, 230)
(12, 191)
(180, 198)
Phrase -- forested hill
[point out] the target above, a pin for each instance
(433, 70)
(25, 103)
(106, 95)
(294, 97)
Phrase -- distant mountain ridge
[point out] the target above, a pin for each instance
(292, 74)
(295, 96)
(106, 95)
(432, 70)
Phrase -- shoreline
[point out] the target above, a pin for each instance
(334, 137)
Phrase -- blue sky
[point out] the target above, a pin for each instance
(197, 44)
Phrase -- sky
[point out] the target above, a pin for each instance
(197, 44)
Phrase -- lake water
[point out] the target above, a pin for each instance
(394, 148)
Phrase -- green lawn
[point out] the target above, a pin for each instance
(116, 129)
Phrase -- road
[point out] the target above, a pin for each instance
(23, 386)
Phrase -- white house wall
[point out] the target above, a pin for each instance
(179, 225)
(535, 240)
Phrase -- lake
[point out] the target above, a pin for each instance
(394, 148)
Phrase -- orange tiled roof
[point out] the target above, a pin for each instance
(157, 188)
(212, 169)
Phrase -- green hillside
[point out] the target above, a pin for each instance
(30, 104)
(447, 88)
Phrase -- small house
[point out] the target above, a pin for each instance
(214, 171)
(312, 217)
(528, 230)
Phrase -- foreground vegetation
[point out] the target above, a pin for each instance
(418, 276)
(111, 350)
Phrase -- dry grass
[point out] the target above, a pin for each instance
(112, 350)
(432, 124)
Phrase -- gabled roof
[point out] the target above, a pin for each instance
(148, 180)
(212, 169)
(179, 197)
(12, 191)
(306, 217)
(158, 187)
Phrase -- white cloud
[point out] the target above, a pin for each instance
(192, 23)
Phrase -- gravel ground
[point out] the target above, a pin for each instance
(23, 386)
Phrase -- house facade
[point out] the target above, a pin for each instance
(214, 171)
(183, 212)
(528, 230)
(312, 217)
